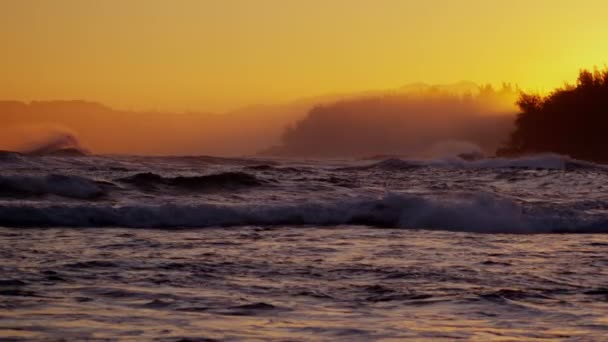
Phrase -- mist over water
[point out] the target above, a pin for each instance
(55, 142)
(407, 121)
(417, 122)
(104, 130)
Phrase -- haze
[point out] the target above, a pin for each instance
(204, 56)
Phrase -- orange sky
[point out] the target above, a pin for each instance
(221, 54)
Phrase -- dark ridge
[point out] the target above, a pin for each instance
(219, 180)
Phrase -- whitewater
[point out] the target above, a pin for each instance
(541, 194)
(209, 248)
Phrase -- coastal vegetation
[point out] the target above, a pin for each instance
(572, 120)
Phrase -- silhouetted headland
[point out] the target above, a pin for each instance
(417, 123)
(572, 120)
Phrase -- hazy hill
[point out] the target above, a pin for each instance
(105, 130)
(408, 122)
(334, 125)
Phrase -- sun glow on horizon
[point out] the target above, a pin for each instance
(217, 55)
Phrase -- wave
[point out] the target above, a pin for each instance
(9, 156)
(390, 164)
(62, 152)
(223, 180)
(274, 168)
(214, 160)
(468, 212)
(59, 143)
(542, 161)
(53, 184)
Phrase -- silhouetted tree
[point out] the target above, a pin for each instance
(572, 120)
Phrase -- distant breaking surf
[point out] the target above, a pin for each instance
(535, 194)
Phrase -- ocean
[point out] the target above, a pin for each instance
(207, 248)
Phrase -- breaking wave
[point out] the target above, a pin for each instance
(542, 161)
(471, 212)
(56, 142)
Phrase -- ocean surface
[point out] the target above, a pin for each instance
(205, 248)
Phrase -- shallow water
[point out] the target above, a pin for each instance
(301, 283)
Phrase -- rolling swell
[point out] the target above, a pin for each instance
(219, 180)
(53, 184)
(542, 161)
(473, 212)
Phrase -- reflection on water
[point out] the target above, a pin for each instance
(284, 283)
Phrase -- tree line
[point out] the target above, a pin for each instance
(572, 120)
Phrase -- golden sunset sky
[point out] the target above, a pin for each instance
(216, 55)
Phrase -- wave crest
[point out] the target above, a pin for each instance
(541, 161)
(471, 212)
